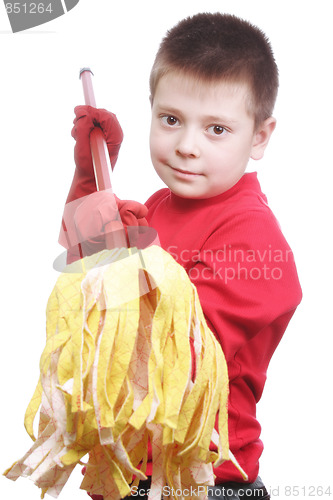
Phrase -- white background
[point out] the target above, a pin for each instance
(39, 87)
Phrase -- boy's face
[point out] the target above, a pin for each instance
(202, 135)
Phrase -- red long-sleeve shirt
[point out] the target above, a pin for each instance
(233, 250)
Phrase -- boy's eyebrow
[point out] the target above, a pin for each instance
(168, 109)
(219, 119)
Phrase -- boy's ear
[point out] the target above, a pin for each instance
(262, 137)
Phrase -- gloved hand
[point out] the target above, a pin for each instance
(87, 118)
(98, 215)
(132, 213)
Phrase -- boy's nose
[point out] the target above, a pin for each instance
(187, 145)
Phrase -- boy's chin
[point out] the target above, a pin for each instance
(190, 195)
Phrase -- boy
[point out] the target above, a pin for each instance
(213, 89)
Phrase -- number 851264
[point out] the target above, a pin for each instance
(28, 8)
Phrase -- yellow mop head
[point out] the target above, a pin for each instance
(116, 373)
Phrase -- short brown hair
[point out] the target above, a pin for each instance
(216, 46)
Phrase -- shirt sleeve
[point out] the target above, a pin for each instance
(246, 279)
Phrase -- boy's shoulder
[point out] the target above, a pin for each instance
(244, 196)
(239, 216)
(242, 210)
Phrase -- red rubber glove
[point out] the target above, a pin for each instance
(97, 215)
(132, 213)
(87, 118)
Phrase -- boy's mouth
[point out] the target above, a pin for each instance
(185, 172)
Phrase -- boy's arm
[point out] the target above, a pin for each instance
(247, 280)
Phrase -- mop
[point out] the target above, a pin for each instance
(129, 362)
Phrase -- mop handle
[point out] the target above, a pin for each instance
(101, 160)
(114, 234)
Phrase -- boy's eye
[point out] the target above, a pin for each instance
(169, 120)
(216, 130)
